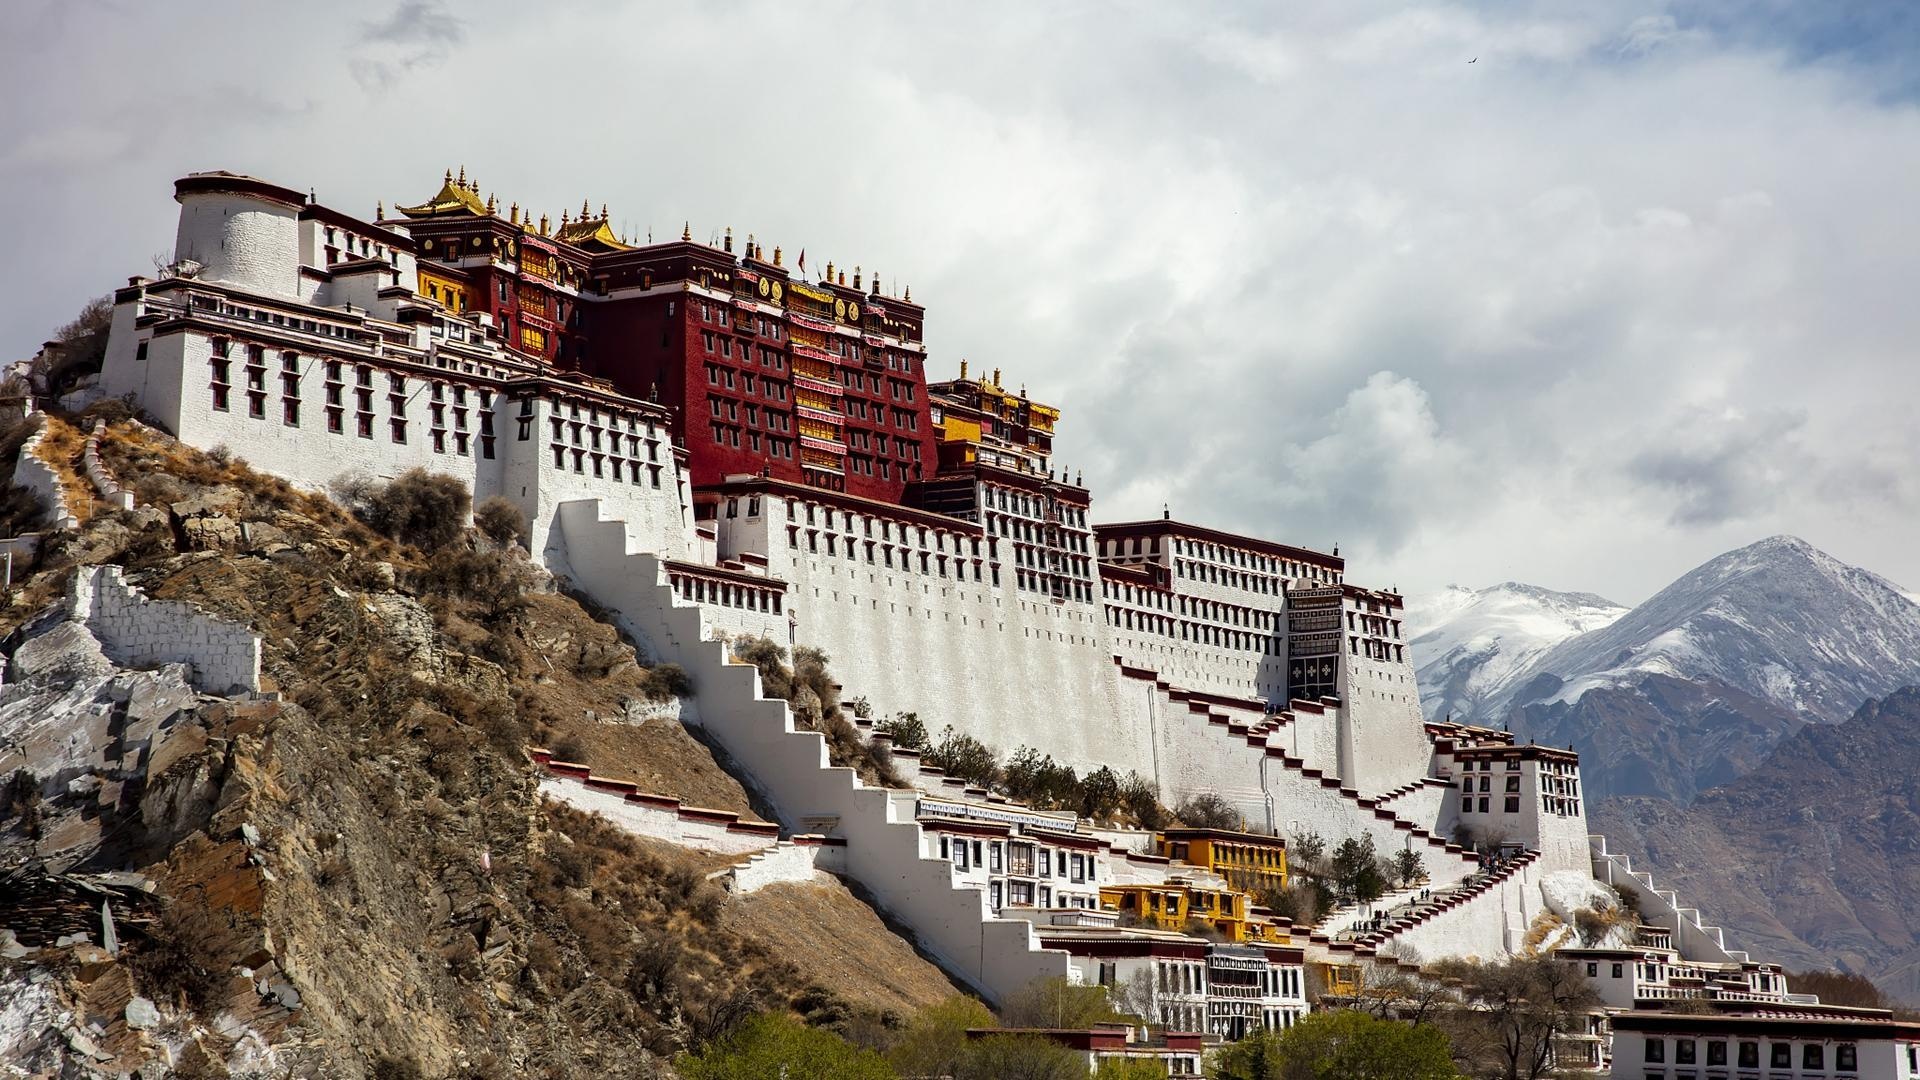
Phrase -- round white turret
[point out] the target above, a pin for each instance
(240, 230)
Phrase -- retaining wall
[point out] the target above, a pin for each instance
(136, 631)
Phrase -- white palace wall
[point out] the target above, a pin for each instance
(1004, 665)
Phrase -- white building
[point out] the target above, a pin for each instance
(1829, 1044)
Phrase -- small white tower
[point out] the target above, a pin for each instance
(240, 230)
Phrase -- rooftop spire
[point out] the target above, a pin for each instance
(686, 231)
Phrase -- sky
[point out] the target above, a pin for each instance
(1571, 294)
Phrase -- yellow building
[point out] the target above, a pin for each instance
(1176, 905)
(1248, 861)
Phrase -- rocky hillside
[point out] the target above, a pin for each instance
(1470, 643)
(280, 871)
(1813, 856)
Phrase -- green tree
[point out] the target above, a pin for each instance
(1408, 867)
(935, 1040)
(963, 757)
(1356, 871)
(1339, 1045)
(1019, 1057)
(908, 732)
(773, 1045)
(1056, 1003)
(1305, 851)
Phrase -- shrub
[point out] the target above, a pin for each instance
(667, 681)
(427, 510)
(1027, 1057)
(499, 520)
(772, 1045)
(1208, 810)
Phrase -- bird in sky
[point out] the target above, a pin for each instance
(1475, 60)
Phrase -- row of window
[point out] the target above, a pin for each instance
(1219, 636)
(1813, 1055)
(702, 590)
(937, 565)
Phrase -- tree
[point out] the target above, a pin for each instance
(1019, 1057)
(1401, 995)
(963, 757)
(1140, 798)
(80, 349)
(1055, 1002)
(1408, 867)
(1305, 852)
(1512, 1011)
(1099, 794)
(935, 1040)
(1356, 871)
(1339, 1045)
(906, 729)
(776, 1045)
(1208, 810)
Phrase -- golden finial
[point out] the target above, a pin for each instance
(543, 224)
(829, 269)
(583, 210)
(686, 231)
(603, 211)
(563, 219)
(513, 213)
(909, 296)
(463, 176)
(450, 175)
(856, 277)
(776, 254)
(493, 205)
(996, 377)
(963, 368)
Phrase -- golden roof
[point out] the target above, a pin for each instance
(454, 198)
(591, 233)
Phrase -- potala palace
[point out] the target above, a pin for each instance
(713, 445)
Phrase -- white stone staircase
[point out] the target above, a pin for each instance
(789, 767)
(1694, 939)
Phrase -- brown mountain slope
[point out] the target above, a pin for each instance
(1813, 858)
(361, 878)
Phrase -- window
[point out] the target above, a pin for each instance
(1749, 1055)
(1656, 1050)
(1513, 804)
(1813, 1056)
(1683, 1052)
(1781, 1056)
(1846, 1057)
(1716, 1053)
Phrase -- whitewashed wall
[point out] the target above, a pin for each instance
(136, 631)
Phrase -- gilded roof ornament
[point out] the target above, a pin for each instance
(686, 231)
(453, 198)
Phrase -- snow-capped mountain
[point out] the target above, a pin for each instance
(1779, 619)
(1691, 688)
(1468, 644)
